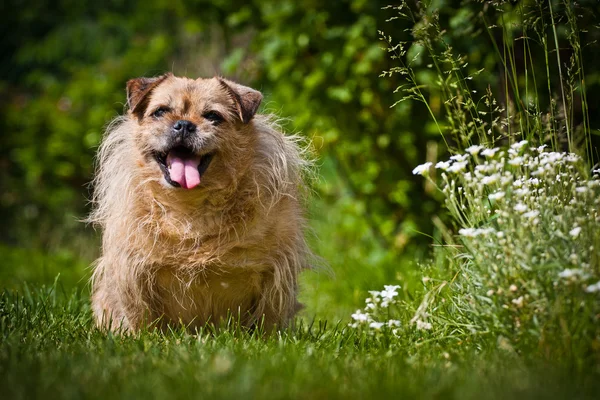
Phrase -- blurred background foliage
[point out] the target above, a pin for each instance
(62, 79)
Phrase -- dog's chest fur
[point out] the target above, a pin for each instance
(209, 297)
(208, 279)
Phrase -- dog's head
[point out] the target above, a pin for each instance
(191, 131)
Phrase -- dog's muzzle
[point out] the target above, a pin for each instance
(181, 166)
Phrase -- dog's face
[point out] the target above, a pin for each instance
(192, 133)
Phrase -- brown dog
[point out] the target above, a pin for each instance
(198, 199)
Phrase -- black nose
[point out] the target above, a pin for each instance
(184, 127)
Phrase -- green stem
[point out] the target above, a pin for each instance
(547, 61)
(560, 76)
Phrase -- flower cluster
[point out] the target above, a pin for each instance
(528, 222)
(375, 315)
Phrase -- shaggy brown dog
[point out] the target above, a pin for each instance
(198, 199)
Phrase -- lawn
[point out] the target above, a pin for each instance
(50, 349)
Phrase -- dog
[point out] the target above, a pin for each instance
(200, 201)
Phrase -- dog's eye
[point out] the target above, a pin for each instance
(160, 112)
(213, 116)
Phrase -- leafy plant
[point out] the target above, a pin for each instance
(526, 268)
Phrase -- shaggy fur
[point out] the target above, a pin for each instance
(234, 244)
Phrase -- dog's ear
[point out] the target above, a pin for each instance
(246, 99)
(138, 90)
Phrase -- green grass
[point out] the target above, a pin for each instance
(50, 348)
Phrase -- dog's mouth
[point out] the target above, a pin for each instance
(182, 167)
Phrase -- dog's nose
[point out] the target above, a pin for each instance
(184, 127)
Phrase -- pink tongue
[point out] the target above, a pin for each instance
(184, 170)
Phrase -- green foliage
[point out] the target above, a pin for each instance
(37, 267)
(322, 67)
(65, 75)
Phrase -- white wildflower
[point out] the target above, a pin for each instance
(522, 192)
(571, 157)
(489, 152)
(472, 232)
(581, 189)
(422, 169)
(488, 180)
(518, 301)
(575, 231)
(360, 316)
(468, 232)
(485, 168)
(460, 157)
(506, 179)
(520, 207)
(474, 150)
(517, 161)
(497, 195)
(376, 325)
(393, 322)
(538, 172)
(389, 292)
(531, 214)
(541, 148)
(593, 288)
(443, 165)
(513, 288)
(423, 325)
(551, 158)
(458, 166)
(570, 273)
(518, 146)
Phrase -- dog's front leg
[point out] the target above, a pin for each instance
(120, 302)
(106, 305)
(277, 305)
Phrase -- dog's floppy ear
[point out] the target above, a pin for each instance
(138, 90)
(246, 99)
